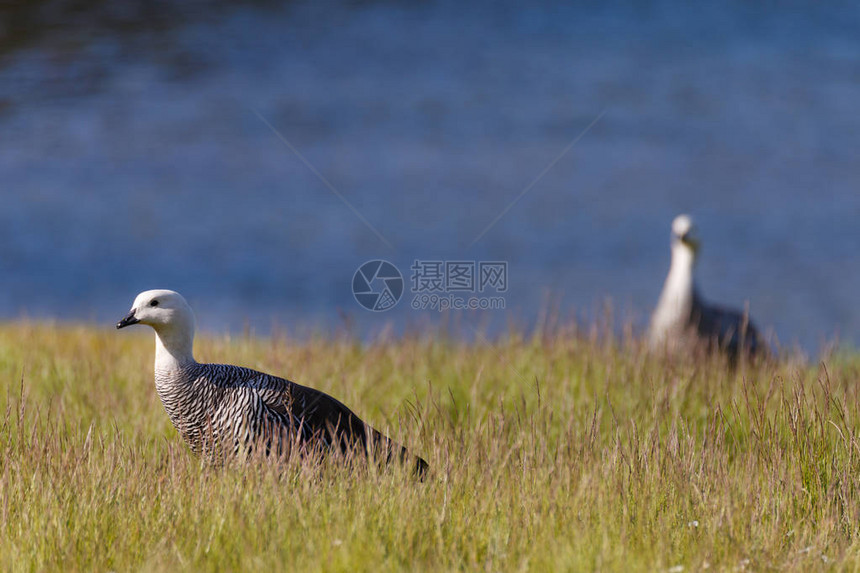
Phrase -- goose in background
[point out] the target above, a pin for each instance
(683, 320)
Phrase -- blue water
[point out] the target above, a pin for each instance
(137, 161)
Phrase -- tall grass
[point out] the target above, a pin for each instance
(553, 452)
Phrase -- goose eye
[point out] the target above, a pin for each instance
(154, 303)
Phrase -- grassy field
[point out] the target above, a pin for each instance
(559, 452)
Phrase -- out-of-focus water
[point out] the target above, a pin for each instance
(132, 161)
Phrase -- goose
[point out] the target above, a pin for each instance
(222, 409)
(683, 318)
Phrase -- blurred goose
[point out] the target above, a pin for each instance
(682, 317)
(220, 408)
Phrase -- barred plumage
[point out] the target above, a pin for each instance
(223, 409)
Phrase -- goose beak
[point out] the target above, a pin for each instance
(127, 321)
(692, 242)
